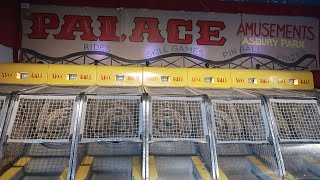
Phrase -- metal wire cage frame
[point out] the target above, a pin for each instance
(240, 118)
(297, 119)
(118, 90)
(111, 124)
(240, 121)
(177, 116)
(38, 119)
(296, 115)
(8, 88)
(111, 118)
(2, 99)
(60, 90)
(4, 108)
(40, 129)
(237, 116)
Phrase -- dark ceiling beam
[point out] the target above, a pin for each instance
(195, 5)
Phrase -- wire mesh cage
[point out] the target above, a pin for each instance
(295, 117)
(8, 88)
(38, 132)
(297, 120)
(240, 121)
(111, 118)
(244, 137)
(2, 99)
(224, 93)
(111, 131)
(177, 118)
(179, 143)
(41, 118)
(178, 91)
(118, 90)
(62, 89)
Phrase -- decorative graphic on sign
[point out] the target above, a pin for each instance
(131, 37)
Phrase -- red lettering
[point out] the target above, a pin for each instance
(36, 75)
(57, 76)
(305, 81)
(177, 79)
(241, 30)
(105, 77)
(41, 24)
(310, 30)
(206, 33)
(281, 81)
(173, 31)
(264, 81)
(85, 77)
(4, 74)
(239, 80)
(196, 79)
(133, 78)
(146, 25)
(76, 24)
(109, 28)
(221, 79)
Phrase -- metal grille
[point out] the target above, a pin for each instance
(173, 148)
(10, 152)
(303, 93)
(267, 154)
(113, 117)
(177, 118)
(113, 149)
(239, 120)
(224, 93)
(204, 152)
(273, 92)
(63, 89)
(47, 158)
(8, 88)
(41, 118)
(2, 99)
(118, 90)
(47, 165)
(169, 91)
(46, 150)
(296, 120)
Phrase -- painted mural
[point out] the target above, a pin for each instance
(138, 37)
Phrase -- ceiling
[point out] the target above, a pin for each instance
(293, 2)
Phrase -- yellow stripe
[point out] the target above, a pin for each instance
(205, 175)
(262, 167)
(16, 168)
(136, 168)
(289, 176)
(64, 174)
(222, 175)
(88, 160)
(84, 169)
(153, 168)
(10, 173)
(22, 162)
